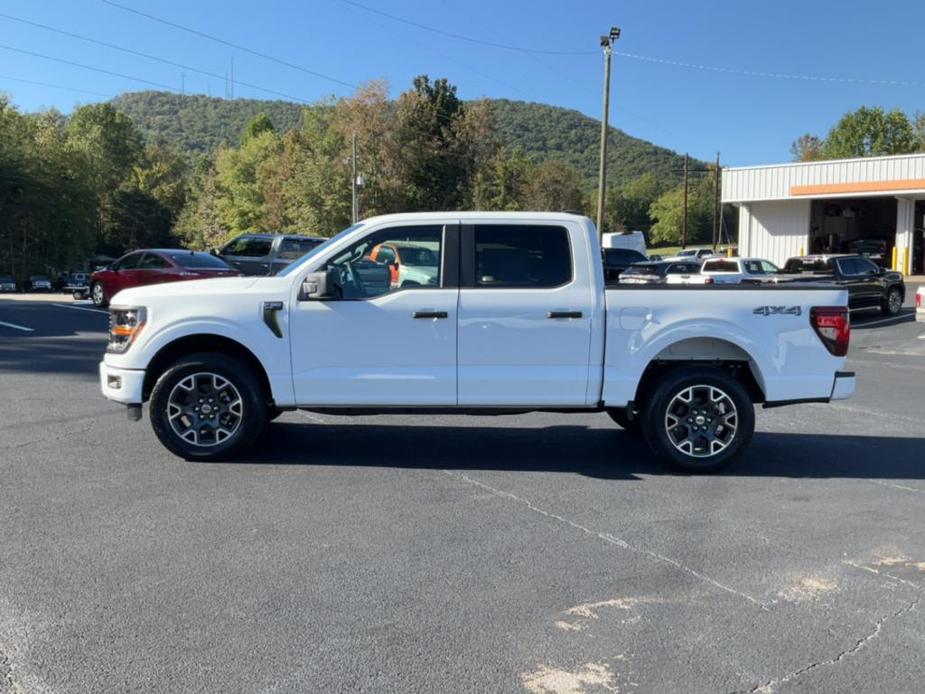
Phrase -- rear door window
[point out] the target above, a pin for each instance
(249, 247)
(521, 256)
(152, 261)
(721, 266)
(294, 248)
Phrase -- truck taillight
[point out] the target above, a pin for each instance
(918, 300)
(833, 326)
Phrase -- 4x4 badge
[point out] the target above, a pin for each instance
(778, 311)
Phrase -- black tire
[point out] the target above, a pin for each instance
(728, 422)
(241, 417)
(893, 303)
(620, 416)
(98, 295)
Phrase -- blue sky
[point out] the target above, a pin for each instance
(749, 118)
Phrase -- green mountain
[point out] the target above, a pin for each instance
(197, 124)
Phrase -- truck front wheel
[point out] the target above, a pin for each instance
(698, 418)
(207, 407)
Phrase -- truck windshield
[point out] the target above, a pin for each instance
(294, 267)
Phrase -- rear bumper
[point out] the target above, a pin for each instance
(122, 385)
(920, 315)
(843, 387)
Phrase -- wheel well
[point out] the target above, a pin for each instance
(705, 352)
(191, 344)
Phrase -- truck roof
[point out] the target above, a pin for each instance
(500, 216)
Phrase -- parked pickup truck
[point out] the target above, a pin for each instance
(517, 320)
(868, 284)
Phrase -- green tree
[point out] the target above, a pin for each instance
(257, 125)
(199, 224)
(807, 147)
(668, 213)
(554, 185)
(870, 132)
(238, 173)
(628, 207)
(918, 129)
(501, 182)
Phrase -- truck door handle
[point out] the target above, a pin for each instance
(430, 314)
(564, 314)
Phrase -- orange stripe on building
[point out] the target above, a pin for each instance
(860, 187)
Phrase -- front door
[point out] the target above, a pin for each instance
(377, 343)
(524, 317)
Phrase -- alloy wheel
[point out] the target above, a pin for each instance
(701, 421)
(205, 409)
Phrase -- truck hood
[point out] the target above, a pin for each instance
(153, 293)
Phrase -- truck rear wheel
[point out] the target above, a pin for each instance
(698, 418)
(207, 407)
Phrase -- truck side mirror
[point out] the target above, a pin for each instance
(315, 287)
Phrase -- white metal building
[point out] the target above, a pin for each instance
(872, 205)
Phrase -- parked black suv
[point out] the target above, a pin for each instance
(868, 284)
(266, 254)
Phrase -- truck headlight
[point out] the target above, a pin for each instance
(124, 326)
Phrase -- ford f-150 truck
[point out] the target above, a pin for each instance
(517, 319)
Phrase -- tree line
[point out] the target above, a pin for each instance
(72, 187)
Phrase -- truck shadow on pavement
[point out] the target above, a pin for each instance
(603, 453)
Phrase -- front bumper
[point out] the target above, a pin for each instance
(122, 385)
(843, 387)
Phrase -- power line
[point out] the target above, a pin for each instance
(161, 85)
(147, 56)
(237, 46)
(636, 56)
(454, 35)
(758, 73)
(53, 86)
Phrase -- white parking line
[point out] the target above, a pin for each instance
(18, 327)
(82, 308)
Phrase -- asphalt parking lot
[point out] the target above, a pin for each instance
(543, 553)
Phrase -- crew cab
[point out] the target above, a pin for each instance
(868, 284)
(517, 320)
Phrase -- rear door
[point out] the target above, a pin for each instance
(852, 277)
(290, 249)
(153, 269)
(249, 254)
(524, 316)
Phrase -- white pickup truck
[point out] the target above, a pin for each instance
(517, 320)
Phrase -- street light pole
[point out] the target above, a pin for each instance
(607, 45)
(355, 201)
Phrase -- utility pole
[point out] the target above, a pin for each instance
(684, 221)
(355, 207)
(716, 203)
(607, 45)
